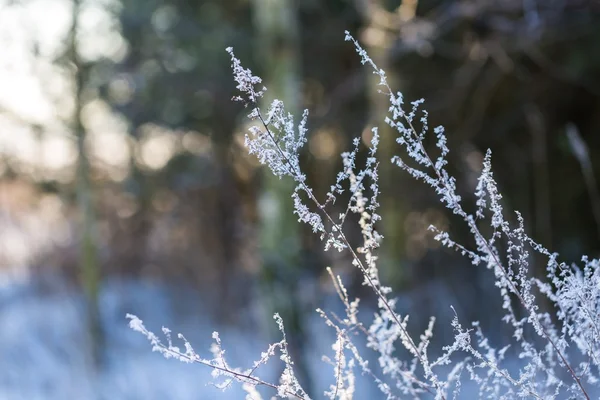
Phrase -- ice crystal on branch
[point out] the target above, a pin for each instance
(559, 354)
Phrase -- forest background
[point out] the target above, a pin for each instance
(125, 185)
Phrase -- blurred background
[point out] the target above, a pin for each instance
(125, 186)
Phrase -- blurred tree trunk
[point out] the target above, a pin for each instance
(88, 252)
(278, 49)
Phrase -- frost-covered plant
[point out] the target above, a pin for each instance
(561, 356)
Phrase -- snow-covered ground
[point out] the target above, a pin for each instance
(45, 348)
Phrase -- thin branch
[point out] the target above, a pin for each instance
(338, 230)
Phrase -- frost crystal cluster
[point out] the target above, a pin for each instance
(560, 352)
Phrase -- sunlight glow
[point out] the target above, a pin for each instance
(35, 102)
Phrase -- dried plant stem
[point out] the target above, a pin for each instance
(238, 375)
(496, 260)
(338, 229)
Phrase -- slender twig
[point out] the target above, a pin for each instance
(339, 356)
(470, 221)
(489, 250)
(405, 374)
(238, 375)
(336, 228)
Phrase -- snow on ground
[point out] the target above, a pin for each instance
(45, 346)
